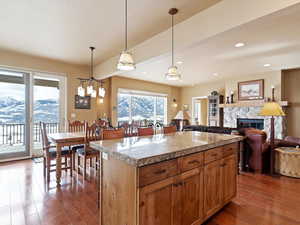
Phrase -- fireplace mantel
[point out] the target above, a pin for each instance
(250, 104)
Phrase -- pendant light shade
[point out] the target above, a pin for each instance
(126, 62)
(89, 89)
(81, 91)
(94, 94)
(102, 92)
(173, 73)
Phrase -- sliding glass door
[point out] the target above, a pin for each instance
(14, 114)
(26, 99)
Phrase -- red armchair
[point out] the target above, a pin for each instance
(256, 150)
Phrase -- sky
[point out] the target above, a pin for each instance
(17, 91)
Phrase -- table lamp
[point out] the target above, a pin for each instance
(272, 109)
(181, 116)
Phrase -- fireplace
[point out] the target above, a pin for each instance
(254, 123)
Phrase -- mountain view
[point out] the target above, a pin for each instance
(141, 107)
(12, 110)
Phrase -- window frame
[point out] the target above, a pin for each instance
(132, 93)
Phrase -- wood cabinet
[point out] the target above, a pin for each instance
(156, 203)
(183, 191)
(190, 207)
(212, 188)
(219, 183)
(228, 166)
(174, 201)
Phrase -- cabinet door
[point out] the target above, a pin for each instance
(229, 170)
(156, 203)
(191, 185)
(212, 188)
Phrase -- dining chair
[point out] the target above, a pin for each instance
(170, 129)
(113, 134)
(145, 131)
(92, 133)
(49, 154)
(76, 126)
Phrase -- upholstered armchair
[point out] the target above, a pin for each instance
(256, 150)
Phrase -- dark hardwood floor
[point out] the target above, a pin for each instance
(25, 199)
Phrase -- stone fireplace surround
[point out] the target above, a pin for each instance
(232, 113)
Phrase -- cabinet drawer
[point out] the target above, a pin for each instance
(191, 161)
(212, 155)
(156, 172)
(230, 149)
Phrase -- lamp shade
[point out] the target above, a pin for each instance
(182, 115)
(271, 109)
(173, 73)
(126, 62)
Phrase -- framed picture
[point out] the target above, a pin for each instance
(251, 90)
(82, 102)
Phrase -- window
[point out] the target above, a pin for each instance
(137, 106)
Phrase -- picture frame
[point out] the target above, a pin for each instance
(82, 102)
(251, 90)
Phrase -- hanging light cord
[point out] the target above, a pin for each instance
(92, 61)
(126, 25)
(172, 40)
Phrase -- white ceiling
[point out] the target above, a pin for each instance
(64, 29)
(273, 39)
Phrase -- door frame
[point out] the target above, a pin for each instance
(27, 111)
(193, 106)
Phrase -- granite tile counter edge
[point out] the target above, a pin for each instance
(162, 157)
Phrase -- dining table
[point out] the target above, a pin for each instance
(61, 140)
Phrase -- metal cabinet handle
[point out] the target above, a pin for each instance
(193, 162)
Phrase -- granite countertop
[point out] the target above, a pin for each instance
(141, 151)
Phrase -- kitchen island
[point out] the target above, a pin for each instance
(174, 179)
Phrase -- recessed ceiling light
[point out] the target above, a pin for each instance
(240, 44)
(267, 65)
(179, 62)
(215, 74)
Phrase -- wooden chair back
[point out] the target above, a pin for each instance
(170, 129)
(145, 131)
(45, 140)
(113, 134)
(92, 133)
(77, 126)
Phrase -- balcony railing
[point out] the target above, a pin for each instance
(14, 133)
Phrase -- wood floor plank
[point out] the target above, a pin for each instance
(27, 200)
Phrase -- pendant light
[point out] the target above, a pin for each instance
(173, 73)
(91, 82)
(80, 90)
(126, 62)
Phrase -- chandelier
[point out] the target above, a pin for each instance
(89, 86)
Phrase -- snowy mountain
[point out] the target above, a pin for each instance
(12, 110)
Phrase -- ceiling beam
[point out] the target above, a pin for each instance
(213, 21)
